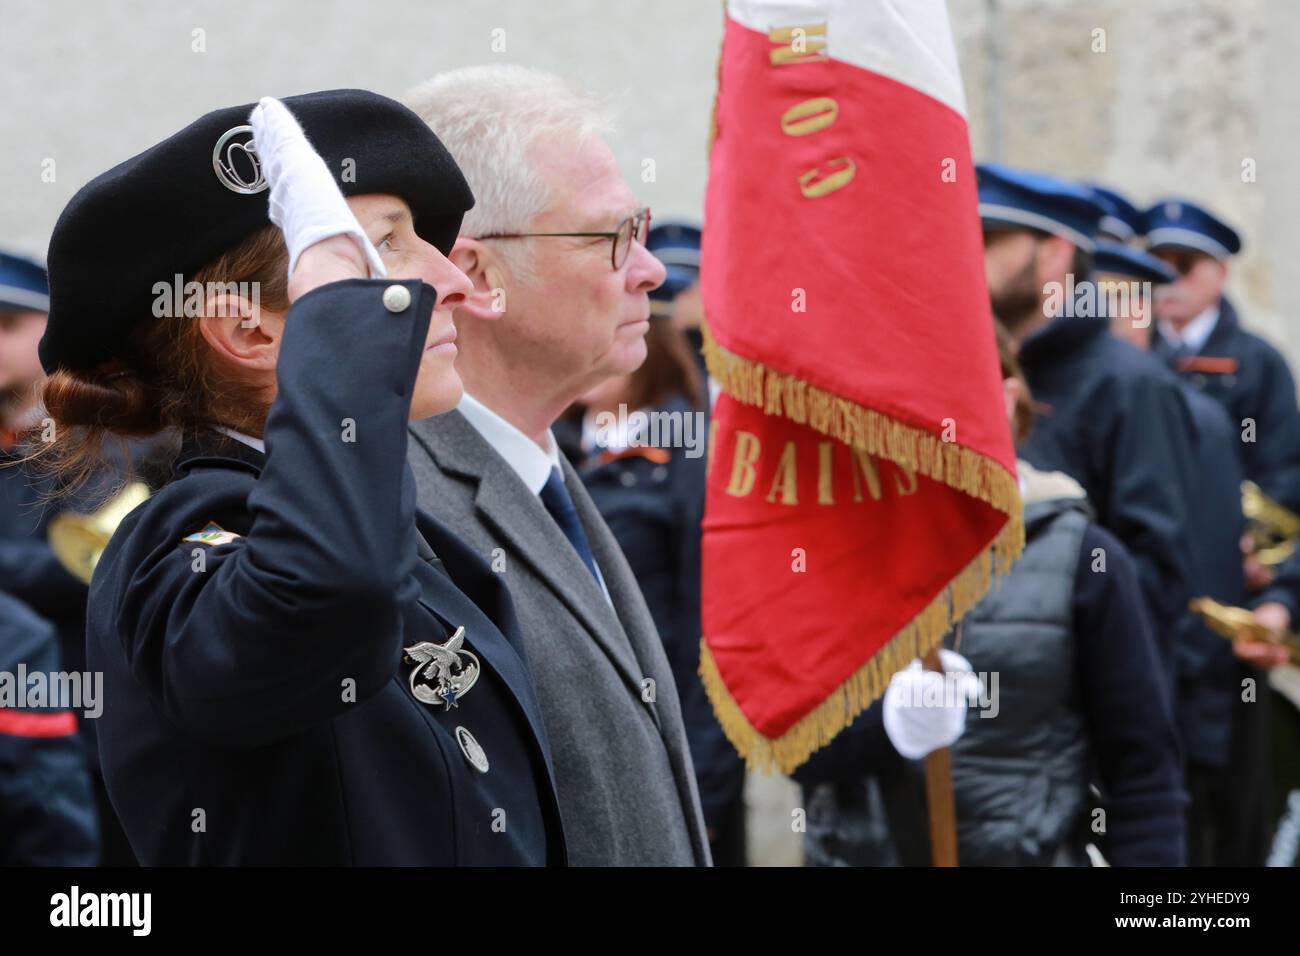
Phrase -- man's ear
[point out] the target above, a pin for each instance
(488, 275)
(243, 334)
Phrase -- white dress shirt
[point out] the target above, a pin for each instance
(249, 440)
(530, 461)
(1194, 333)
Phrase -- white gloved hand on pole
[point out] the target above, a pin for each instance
(305, 201)
(925, 710)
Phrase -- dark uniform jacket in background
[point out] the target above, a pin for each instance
(47, 811)
(257, 704)
(28, 568)
(1255, 383)
(1115, 420)
(1207, 669)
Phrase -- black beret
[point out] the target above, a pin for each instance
(180, 204)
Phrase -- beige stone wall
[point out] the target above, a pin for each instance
(88, 84)
(1183, 94)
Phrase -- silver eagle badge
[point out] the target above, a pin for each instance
(442, 673)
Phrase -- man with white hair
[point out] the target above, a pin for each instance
(554, 248)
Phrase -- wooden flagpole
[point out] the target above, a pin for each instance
(939, 793)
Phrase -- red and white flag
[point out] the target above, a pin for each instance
(862, 491)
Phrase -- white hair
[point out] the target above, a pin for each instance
(489, 117)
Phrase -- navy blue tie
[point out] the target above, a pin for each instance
(555, 496)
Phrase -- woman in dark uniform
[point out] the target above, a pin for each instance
(298, 666)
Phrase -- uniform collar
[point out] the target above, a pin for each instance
(211, 445)
(1062, 335)
(1195, 333)
(530, 462)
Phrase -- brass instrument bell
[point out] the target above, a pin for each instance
(79, 540)
(1273, 528)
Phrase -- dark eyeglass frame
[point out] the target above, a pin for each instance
(640, 218)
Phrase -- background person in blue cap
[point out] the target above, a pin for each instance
(47, 807)
(1202, 338)
(1107, 415)
(29, 571)
(1221, 733)
(1121, 221)
(677, 246)
(652, 498)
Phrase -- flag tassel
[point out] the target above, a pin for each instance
(778, 393)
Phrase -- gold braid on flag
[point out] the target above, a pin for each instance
(908, 446)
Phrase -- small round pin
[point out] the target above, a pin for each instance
(471, 749)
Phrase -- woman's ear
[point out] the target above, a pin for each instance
(242, 332)
(485, 272)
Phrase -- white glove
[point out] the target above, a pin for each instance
(305, 200)
(921, 714)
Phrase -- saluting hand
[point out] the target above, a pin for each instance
(325, 241)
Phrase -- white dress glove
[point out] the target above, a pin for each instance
(305, 200)
(920, 713)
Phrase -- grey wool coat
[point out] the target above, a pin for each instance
(623, 772)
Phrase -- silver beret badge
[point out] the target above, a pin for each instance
(236, 164)
(442, 673)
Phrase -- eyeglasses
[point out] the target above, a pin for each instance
(635, 226)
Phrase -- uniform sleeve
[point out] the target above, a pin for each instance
(31, 572)
(1152, 465)
(1276, 449)
(47, 809)
(261, 640)
(1128, 712)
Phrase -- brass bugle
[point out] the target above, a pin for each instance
(79, 540)
(1239, 624)
(1272, 527)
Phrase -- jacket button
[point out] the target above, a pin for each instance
(397, 298)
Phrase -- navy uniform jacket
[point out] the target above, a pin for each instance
(47, 810)
(1254, 382)
(1115, 419)
(1207, 670)
(28, 568)
(257, 707)
(654, 508)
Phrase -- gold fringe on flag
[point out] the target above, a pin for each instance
(778, 393)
